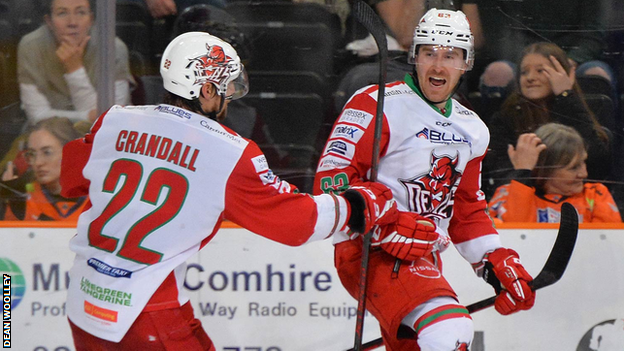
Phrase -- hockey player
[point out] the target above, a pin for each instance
(431, 153)
(160, 180)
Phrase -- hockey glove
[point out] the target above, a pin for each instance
(410, 237)
(371, 203)
(503, 270)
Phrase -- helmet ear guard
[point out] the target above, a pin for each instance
(195, 58)
(444, 28)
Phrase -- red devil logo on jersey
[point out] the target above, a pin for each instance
(442, 176)
(211, 66)
(432, 193)
(461, 346)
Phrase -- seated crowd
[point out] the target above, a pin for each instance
(550, 140)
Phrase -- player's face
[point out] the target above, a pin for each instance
(44, 156)
(70, 20)
(568, 180)
(439, 69)
(534, 84)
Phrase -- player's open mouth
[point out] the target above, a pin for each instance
(438, 82)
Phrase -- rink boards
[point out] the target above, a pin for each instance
(255, 295)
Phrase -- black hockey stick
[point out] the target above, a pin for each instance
(553, 270)
(371, 21)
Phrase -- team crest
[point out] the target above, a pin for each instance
(211, 66)
(432, 194)
(461, 346)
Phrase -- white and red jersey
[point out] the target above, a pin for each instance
(431, 159)
(160, 180)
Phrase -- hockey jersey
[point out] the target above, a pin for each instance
(517, 202)
(160, 181)
(431, 159)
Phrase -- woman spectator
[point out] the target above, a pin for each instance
(57, 65)
(547, 93)
(549, 169)
(43, 153)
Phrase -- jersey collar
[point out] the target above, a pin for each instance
(409, 80)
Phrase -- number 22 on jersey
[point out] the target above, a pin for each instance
(130, 172)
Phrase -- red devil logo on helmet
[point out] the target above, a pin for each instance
(216, 55)
(212, 65)
(461, 346)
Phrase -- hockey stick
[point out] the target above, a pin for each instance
(553, 270)
(369, 19)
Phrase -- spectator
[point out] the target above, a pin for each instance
(549, 170)
(161, 8)
(573, 25)
(57, 65)
(547, 92)
(42, 200)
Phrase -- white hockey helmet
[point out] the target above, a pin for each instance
(446, 28)
(195, 58)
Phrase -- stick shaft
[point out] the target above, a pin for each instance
(371, 21)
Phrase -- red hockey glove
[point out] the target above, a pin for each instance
(503, 270)
(371, 203)
(410, 237)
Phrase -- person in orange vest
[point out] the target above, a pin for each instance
(549, 169)
(42, 200)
